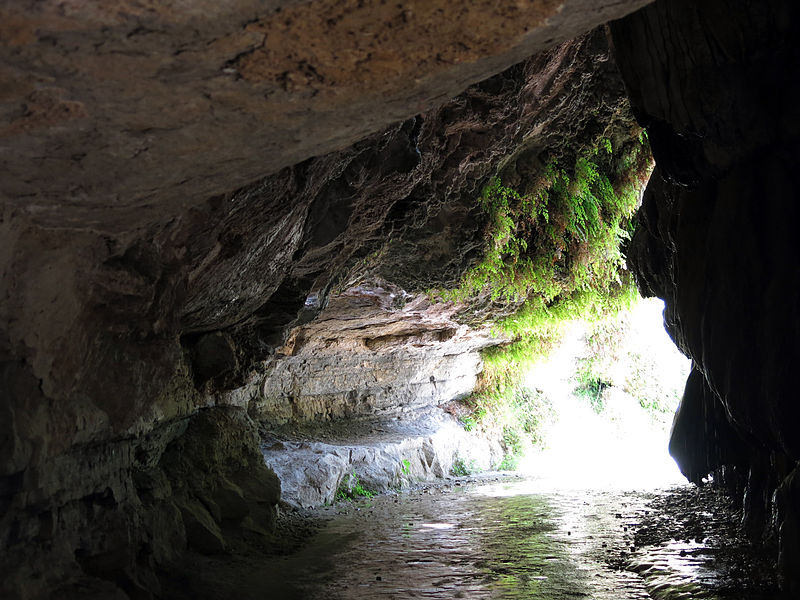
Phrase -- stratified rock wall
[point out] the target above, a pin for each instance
(362, 392)
(365, 358)
(715, 84)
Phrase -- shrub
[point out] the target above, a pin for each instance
(463, 467)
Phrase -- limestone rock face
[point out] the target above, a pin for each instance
(717, 238)
(356, 394)
(379, 455)
(202, 203)
(111, 515)
(102, 323)
(363, 357)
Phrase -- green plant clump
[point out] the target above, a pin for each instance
(469, 422)
(591, 388)
(614, 359)
(463, 467)
(510, 462)
(565, 234)
(351, 488)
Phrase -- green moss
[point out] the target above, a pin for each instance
(564, 234)
(351, 488)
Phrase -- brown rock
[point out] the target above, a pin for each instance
(127, 116)
(162, 227)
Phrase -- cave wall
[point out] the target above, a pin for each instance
(714, 83)
(365, 357)
(174, 211)
(187, 190)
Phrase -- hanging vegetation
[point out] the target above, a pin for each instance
(557, 253)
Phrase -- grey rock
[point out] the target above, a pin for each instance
(422, 447)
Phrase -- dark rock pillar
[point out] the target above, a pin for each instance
(715, 83)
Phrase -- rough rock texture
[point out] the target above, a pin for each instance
(378, 455)
(366, 357)
(714, 82)
(367, 377)
(185, 184)
(117, 114)
(116, 513)
(147, 270)
(101, 323)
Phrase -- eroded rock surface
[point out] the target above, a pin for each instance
(364, 357)
(718, 240)
(164, 229)
(103, 519)
(187, 188)
(314, 465)
(361, 392)
(120, 114)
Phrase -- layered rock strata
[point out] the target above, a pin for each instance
(360, 392)
(366, 357)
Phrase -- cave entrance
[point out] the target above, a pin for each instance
(609, 389)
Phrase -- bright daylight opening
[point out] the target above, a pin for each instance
(611, 391)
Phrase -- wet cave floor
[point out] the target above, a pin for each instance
(505, 538)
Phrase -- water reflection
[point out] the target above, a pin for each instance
(500, 541)
(495, 541)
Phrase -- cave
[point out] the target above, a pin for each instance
(233, 233)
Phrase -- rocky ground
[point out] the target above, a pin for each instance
(315, 461)
(704, 526)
